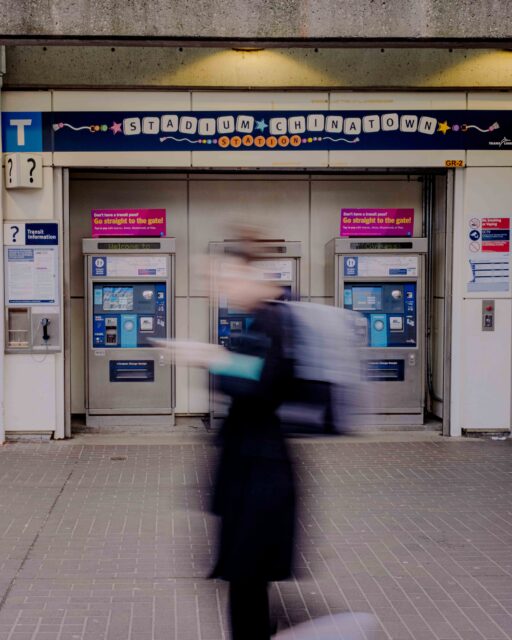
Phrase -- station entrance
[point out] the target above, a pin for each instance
(303, 210)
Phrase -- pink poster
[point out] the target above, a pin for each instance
(128, 222)
(364, 223)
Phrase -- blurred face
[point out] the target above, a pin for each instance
(242, 285)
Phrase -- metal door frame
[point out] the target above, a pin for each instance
(448, 307)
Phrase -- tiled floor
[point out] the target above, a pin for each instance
(112, 541)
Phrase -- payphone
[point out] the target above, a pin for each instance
(383, 280)
(32, 287)
(277, 261)
(129, 286)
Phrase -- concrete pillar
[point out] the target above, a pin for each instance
(2, 317)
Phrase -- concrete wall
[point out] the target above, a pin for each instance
(481, 389)
(271, 19)
(93, 66)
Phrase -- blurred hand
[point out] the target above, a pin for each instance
(193, 354)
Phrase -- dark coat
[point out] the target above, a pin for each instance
(254, 490)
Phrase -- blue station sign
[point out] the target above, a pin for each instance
(131, 131)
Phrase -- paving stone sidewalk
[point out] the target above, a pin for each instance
(113, 541)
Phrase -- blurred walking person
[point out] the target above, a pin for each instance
(254, 492)
(294, 362)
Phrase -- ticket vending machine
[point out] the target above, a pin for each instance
(129, 287)
(384, 280)
(278, 261)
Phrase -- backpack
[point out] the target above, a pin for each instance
(323, 344)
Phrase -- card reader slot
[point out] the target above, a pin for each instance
(382, 375)
(128, 374)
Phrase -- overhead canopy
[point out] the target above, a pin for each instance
(260, 22)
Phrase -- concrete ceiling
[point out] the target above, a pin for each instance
(268, 22)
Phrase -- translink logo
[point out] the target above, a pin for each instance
(21, 131)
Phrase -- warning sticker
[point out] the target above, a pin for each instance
(495, 223)
(496, 234)
(489, 254)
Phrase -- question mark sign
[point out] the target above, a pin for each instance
(33, 162)
(15, 230)
(10, 163)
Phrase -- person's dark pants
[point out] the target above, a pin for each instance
(249, 610)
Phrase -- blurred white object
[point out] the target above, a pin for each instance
(342, 626)
(191, 353)
(325, 346)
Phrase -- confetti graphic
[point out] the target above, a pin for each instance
(342, 140)
(494, 126)
(179, 139)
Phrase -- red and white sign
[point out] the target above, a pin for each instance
(498, 246)
(495, 223)
(496, 235)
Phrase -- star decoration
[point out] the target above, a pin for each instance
(116, 127)
(261, 125)
(443, 127)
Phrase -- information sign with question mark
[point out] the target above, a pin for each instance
(31, 170)
(11, 171)
(14, 233)
(10, 162)
(32, 162)
(23, 171)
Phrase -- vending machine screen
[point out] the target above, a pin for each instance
(366, 298)
(389, 309)
(117, 298)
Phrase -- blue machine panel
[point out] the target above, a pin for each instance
(378, 330)
(128, 315)
(390, 309)
(128, 331)
(98, 337)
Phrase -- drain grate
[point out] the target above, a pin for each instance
(117, 458)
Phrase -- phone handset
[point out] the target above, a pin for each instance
(44, 323)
